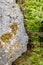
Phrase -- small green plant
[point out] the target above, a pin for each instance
(33, 15)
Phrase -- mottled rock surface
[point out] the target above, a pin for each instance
(13, 38)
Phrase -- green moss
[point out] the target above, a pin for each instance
(33, 15)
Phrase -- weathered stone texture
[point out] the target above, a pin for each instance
(13, 38)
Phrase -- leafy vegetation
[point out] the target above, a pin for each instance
(33, 14)
(35, 57)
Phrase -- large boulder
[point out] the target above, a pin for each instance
(13, 37)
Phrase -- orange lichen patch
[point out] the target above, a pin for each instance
(16, 44)
(6, 37)
(14, 28)
(14, 32)
(1, 45)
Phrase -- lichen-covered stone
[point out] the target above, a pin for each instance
(13, 38)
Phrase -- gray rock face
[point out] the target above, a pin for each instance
(13, 38)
